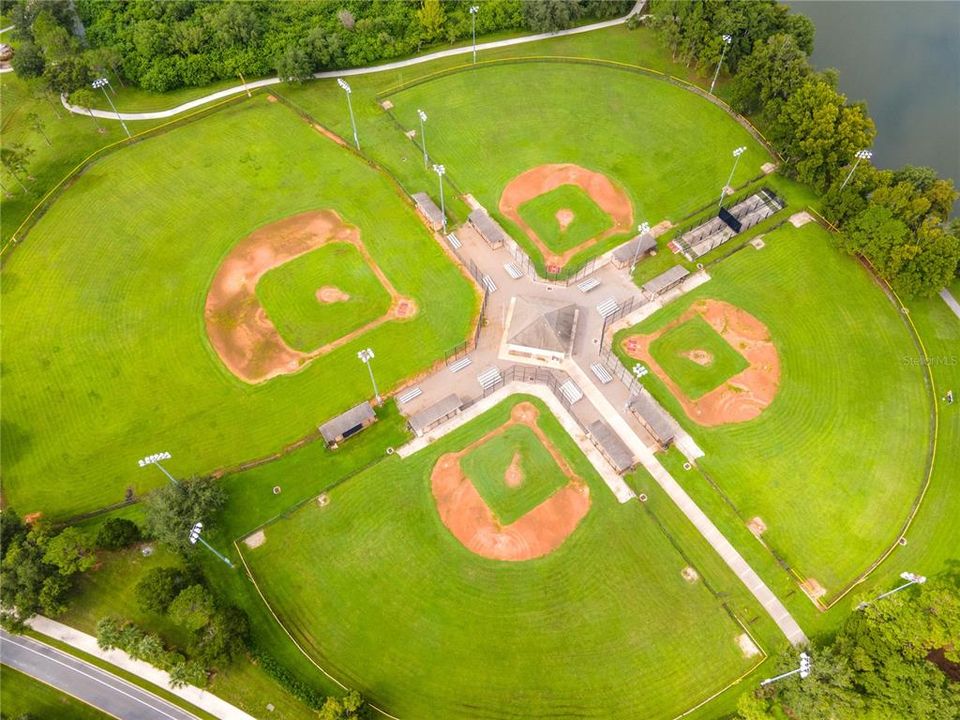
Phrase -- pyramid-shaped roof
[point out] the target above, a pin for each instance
(543, 324)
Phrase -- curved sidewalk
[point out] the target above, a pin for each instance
(398, 65)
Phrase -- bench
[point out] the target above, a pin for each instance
(571, 392)
(489, 284)
(460, 364)
(601, 373)
(513, 271)
(489, 377)
(588, 285)
(408, 395)
(607, 308)
(454, 241)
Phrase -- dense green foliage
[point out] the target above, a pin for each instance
(160, 586)
(890, 660)
(140, 645)
(173, 509)
(117, 533)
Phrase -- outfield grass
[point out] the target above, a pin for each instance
(288, 294)
(20, 694)
(106, 354)
(486, 466)
(541, 215)
(456, 635)
(834, 462)
(670, 351)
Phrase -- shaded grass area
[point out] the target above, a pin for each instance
(839, 455)
(606, 600)
(541, 215)
(21, 695)
(106, 349)
(487, 466)
(673, 350)
(289, 295)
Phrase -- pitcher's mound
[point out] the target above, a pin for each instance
(330, 294)
(564, 218)
(514, 475)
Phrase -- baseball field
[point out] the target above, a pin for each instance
(831, 447)
(384, 595)
(130, 337)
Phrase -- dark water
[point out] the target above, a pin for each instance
(903, 58)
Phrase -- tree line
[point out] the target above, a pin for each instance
(898, 220)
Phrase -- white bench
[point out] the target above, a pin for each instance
(571, 392)
(489, 283)
(454, 241)
(408, 395)
(601, 373)
(607, 308)
(513, 271)
(460, 364)
(588, 285)
(489, 377)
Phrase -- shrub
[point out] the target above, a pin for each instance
(118, 533)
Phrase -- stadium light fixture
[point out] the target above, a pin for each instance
(366, 355)
(643, 228)
(911, 579)
(727, 39)
(194, 538)
(155, 460)
(474, 9)
(102, 84)
(860, 155)
(440, 170)
(736, 158)
(345, 86)
(803, 670)
(423, 138)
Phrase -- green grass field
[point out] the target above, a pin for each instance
(21, 695)
(486, 466)
(106, 355)
(832, 465)
(647, 135)
(288, 294)
(541, 215)
(456, 635)
(696, 380)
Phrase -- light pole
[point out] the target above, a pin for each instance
(440, 170)
(861, 155)
(736, 158)
(911, 578)
(346, 88)
(194, 537)
(474, 9)
(423, 138)
(726, 43)
(803, 670)
(639, 372)
(101, 84)
(642, 229)
(366, 355)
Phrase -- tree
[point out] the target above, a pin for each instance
(85, 98)
(431, 17)
(222, 639)
(36, 122)
(189, 672)
(11, 528)
(236, 23)
(54, 39)
(173, 509)
(28, 62)
(770, 74)
(351, 706)
(294, 65)
(549, 15)
(117, 533)
(159, 586)
(67, 75)
(192, 608)
(15, 158)
(28, 583)
(71, 551)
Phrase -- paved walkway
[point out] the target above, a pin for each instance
(386, 67)
(88, 644)
(88, 683)
(951, 301)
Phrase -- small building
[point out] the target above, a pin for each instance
(654, 418)
(540, 329)
(488, 228)
(666, 281)
(613, 448)
(429, 210)
(6, 52)
(422, 422)
(627, 253)
(348, 424)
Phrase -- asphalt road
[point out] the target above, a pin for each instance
(85, 682)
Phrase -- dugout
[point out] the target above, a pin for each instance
(429, 210)
(654, 418)
(666, 281)
(489, 230)
(611, 447)
(428, 418)
(636, 248)
(348, 424)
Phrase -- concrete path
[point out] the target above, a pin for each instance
(386, 67)
(84, 681)
(951, 301)
(86, 643)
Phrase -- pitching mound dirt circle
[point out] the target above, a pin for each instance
(470, 520)
(744, 396)
(700, 357)
(330, 294)
(514, 475)
(544, 178)
(564, 217)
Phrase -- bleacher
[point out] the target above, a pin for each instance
(712, 234)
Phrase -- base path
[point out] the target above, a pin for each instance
(85, 682)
